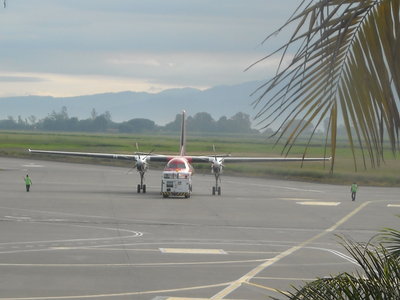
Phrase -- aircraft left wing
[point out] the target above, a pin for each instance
(87, 154)
(133, 157)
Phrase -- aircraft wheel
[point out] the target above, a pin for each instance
(219, 191)
(144, 188)
(213, 190)
(138, 188)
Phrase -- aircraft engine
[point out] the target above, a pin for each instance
(216, 166)
(141, 165)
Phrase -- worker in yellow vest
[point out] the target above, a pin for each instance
(28, 182)
(353, 190)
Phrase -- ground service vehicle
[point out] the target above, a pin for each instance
(177, 178)
(176, 184)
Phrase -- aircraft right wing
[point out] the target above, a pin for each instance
(272, 159)
(229, 159)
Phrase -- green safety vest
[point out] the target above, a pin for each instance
(28, 181)
(354, 188)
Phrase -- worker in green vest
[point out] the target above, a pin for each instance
(28, 182)
(353, 190)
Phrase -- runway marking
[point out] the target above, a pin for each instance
(182, 298)
(318, 203)
(133, 265)
(18, 218)
(283, 278)
(263, 287)
(133, 234)
(297, 199)
(191, 251)
(393, 205)
(33, 166)
(120, 294)
(252, 273)
(278, 187)
(337, 253)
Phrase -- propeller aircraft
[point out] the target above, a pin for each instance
(179, 166)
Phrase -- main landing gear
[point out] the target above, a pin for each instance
(216, 189)
(141, 186)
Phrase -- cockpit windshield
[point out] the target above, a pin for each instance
(176, 165)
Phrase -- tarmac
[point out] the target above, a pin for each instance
(83, 232)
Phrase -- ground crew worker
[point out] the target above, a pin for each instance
(28, 182)
(353, 190)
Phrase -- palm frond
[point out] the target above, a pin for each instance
(378, 277)
(346, 69)
(390, 238)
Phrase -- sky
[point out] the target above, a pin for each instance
(65, 48)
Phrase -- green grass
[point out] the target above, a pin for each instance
(15, 144)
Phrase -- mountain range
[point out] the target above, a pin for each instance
(160, 107)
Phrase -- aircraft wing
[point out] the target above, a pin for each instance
(134, 157)
(87, 154)
(272, 159)
(229, 159)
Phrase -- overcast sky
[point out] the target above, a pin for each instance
(81, 47)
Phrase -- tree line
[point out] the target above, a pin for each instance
(61, 121)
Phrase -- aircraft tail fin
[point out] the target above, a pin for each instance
(183, 135)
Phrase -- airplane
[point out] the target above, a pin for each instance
(179, 166)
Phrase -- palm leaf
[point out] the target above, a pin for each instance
(346, 68)
(391, 240)
(378, 277)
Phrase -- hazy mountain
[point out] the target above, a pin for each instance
(161, 107)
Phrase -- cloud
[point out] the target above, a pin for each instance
(153, 43)
(20, 79)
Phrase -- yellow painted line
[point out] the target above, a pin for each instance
(393, 205)
(252, 273)
(192, 251)
(315, 203)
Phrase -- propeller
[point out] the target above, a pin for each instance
(217, 163)
(141, 161)
(141, 164)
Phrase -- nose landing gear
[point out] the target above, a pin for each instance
(141, 186)
(216, 189)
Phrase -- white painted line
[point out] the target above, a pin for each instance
(33, 166)
(181, 298)
(278, 187)
(184, 298)
(297, 199)
(192, 251)
(18, 218)
(319, 203)
(125, 294)
(393, 205)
